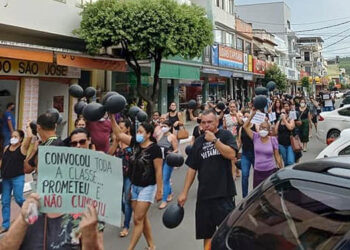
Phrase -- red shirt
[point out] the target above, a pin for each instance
(100, 132)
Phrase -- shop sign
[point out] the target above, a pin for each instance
(231, 58)
(245, 62)
(259, 66)
(10, 67)
(250, 63)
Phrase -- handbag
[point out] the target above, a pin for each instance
(299, 122)
(182, 133)
(296, 143)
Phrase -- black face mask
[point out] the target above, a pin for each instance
(199, 121)
(171, 110)
(218, 113)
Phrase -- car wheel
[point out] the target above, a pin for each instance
(332, 136)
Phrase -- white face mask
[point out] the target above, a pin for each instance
(244, 119)
(165, 129)
(14, 141)
(302, 105)
(263, 133)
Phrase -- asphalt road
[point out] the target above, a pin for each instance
(183, 237)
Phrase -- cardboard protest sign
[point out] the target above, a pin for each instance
(70, 179)
(293, 115)
(258, 118)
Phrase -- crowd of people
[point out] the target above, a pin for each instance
(225, 146)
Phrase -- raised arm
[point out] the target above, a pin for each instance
(239, 138)
(290, 124)
(246, 125)
(27, 139)
(118, 132)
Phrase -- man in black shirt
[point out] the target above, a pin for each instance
(211, 156)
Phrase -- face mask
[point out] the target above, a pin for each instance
(199, 121)
(302, 105)
(263, 133)
(140, 138)
(14, 141)
(165, 130)
(244, 119)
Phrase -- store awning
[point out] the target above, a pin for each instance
(225, 73)
(177, 71)
(26, 54)
(210, 71)
(91, 62)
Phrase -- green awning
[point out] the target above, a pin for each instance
(177, 71)
(145, 78)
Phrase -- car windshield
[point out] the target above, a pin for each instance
(295, 215)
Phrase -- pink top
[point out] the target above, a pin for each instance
(264, 153)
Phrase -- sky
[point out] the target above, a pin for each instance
(326, 13)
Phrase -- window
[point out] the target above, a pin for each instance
(218, 3)
(229, 39)
(217, 36)
(307, 56)
(285, 216)
(223, 37)
(248, 47)
(344, 112)
(239, 44)
(288, 24)
(345, 151)
(308, 69)
(223, 4)
(231, 7)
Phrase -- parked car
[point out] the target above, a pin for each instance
(305, 206)
(339, 147)
(338, 94)
(330, 124)
(347, 93)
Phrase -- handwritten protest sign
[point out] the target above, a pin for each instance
(70, 179)
(258, 118)
(272, 116)
(293, 115)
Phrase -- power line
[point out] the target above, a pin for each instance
(337, 42)
(279, 24)
(336, 34)
(335, 49)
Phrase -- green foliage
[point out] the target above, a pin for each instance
(331, 85)
(305, 82)
(275, 74)
(146, 27)
(345, 63)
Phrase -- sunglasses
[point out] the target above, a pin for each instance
(75, 143)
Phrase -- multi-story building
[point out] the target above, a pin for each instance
(311, 61)
(276, 19)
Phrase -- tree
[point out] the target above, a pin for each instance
(146, 29)
(275, 74)
(331, 85)
(305, 83)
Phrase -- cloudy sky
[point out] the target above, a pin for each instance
(310, 14)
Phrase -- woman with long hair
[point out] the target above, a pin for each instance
(145, 175)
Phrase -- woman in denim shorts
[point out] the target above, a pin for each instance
(145, 172)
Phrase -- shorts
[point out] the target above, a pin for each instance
(210, 214)
(314, 119)
(145, 194)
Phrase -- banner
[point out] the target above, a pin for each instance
(231, 58)
(70, 179)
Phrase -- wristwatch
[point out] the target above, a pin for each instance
(215, 140)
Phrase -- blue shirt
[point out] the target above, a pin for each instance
(6, 117)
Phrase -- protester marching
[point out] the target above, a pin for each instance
(118, 161)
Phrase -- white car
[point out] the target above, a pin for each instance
(339, 147)
(330, 124)
(338, 94)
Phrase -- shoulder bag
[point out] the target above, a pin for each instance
(296, 143)
(182, 133)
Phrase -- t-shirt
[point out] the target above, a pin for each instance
(12, 163)
(197, 132)
(8, 116)
(232, 124)
(141, 169)
(100, 132)
(62, 233)
(215, 178)
(264, 153)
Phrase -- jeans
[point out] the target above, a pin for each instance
(167, 170)
(287, 154)
(126, 201)
(16, 185)
(327, 109)
(246, 161)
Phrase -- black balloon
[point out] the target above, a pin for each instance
(60, 119)
(260, 102)
(261, 91)
(221, 105)
(79, 106)
(175, 160)
(76, 91)
(32, 126)
(142, 116)
(192, 104)
(109, 94)
(115, 103)
(133, 111)
(173, 216)
(271, 85)
(94, 111)
(55, 112)
(89, 92)
(188, 149)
